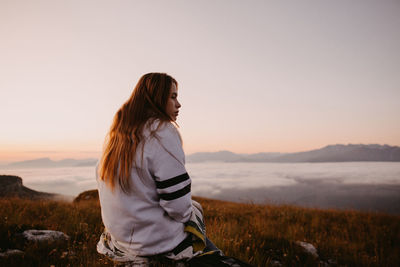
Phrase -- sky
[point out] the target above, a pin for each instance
(254, 76)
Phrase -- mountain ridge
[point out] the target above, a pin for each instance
(329, 153)
(49, 163)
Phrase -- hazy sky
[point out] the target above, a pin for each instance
(272, 76)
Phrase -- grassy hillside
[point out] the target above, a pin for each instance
(258, 234)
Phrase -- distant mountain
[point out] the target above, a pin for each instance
(214, 156)
(11, 186)
(343, 153)
(331, 153)
(261, 157)
(227, 156)
(48, 163)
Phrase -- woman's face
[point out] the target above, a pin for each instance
(172, 104)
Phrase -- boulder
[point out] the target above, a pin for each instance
(45, 236)
(11, 253)
(308, 248)
(87, 195)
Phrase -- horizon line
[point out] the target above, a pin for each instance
(2, 162)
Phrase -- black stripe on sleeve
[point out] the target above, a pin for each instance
(200, 221)
(187, 242)
(172, 181)
(177, 194)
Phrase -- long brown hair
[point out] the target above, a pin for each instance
(147, 102)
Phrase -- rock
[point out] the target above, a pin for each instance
(87, 195)
(10, 183)
(11, 253)
(328, 263)
(45, 236)
(275, 263)
(11, 186)
(308, 248)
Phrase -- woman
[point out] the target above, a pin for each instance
(143, 185)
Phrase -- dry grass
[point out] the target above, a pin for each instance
(258, 234)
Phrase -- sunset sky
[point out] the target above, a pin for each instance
(254, 76)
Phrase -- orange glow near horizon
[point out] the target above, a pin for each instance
(54, 151)
(11, 156)
(25, 152)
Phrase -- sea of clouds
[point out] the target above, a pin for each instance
(372, 186)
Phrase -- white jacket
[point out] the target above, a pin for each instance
(151, 219)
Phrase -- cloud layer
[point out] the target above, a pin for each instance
(372, 186)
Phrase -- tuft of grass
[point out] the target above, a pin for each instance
(257, 234)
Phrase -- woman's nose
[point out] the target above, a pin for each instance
(178, 105)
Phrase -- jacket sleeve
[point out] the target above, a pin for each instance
(173, 183)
